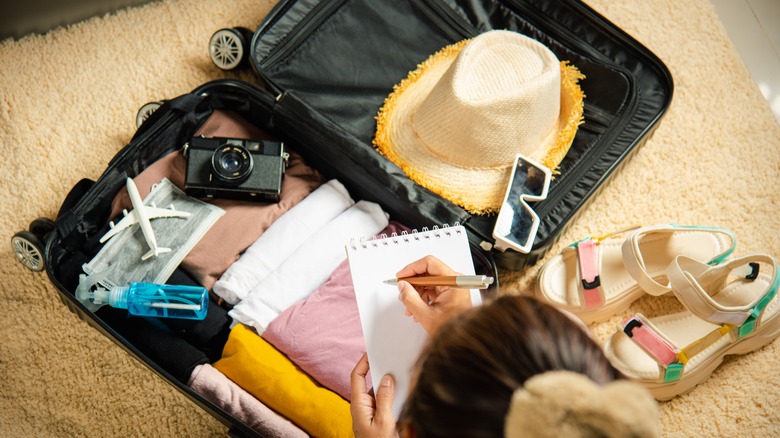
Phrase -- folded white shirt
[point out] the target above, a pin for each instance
(308, 267)
(281, 239)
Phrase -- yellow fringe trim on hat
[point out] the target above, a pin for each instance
(570, 77)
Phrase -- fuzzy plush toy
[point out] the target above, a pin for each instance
(564, 403)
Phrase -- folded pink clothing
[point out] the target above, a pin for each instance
(218, 389)
(322, 334)
(243, 221)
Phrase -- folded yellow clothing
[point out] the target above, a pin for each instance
(264, 372)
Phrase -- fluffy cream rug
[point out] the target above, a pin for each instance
(67, 104)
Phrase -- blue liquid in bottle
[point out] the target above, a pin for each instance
(161, 300)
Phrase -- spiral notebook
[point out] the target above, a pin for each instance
(393, 340)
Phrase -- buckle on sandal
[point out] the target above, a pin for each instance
(630, 326)
(753, 271)
(592, 284)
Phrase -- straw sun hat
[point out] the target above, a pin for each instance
(456, 123)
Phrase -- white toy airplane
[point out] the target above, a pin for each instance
(141, 214)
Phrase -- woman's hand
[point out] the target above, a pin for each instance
(371, 418)
(431, 305)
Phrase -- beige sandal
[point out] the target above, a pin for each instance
(598, 277)
(733, 308)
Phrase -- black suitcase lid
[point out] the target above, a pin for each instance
(333, 62)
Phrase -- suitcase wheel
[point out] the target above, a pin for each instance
(229, 47)
(145, 111)
(29, 245)
(29, 250)
(41, 227)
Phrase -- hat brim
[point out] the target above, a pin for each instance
(478, 190)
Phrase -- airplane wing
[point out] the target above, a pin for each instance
(154, 212)
(127, 221)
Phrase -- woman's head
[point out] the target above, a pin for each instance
(473, 364)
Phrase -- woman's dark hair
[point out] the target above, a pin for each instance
(474, 362)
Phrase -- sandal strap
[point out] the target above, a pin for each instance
(699, 345)
(589, 265)
(690, 278)
(644, 334)
(750, 324)
(663, 351)
(634, 262)
(588, 257)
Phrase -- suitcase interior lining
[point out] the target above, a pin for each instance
(348, 86)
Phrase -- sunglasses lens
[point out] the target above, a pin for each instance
(517, 223)
(522, 223)
(534, 181)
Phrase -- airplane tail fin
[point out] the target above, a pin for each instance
(153, 252)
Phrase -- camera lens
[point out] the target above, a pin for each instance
(231, 161)
(232, 164)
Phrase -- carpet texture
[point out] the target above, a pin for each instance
(67, 104)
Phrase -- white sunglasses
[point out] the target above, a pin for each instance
(517, 223)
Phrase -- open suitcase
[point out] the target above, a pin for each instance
(306, 52)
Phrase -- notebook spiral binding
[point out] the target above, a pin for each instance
(405, 237)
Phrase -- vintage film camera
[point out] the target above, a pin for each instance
(234, 168)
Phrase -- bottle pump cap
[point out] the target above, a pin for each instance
(118, 297)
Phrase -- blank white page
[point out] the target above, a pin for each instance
(393, 340)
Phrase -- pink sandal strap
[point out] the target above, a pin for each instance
(591, 293)
(662, 351)
(645, 335)
(654, 344)
(589, 261)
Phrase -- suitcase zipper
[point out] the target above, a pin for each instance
(534, 17)
(567, 181)
(594, 114)
(447, 19)
(442, 15)
(312, 20)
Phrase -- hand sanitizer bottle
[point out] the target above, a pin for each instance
(161, 300)
(146, 299)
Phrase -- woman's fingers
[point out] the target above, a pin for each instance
(384, 403)
(357, 378)
(371, 417)
(429, 265)
(413, 301)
